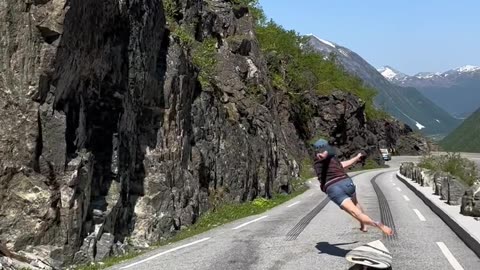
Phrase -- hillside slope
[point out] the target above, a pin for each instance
(466, 137)
(405, 104)
(456, 90)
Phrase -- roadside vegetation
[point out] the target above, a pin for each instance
(369, 164)
(462, 168)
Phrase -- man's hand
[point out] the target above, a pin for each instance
(357, 158)
(362, 155)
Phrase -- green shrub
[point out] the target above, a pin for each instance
(184, 36)
(204, 58)
(295, 69)
(172, 10)
(453, 163)
(306, 169)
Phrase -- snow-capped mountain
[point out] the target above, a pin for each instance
(467, 68)
(426, 75)
(439, 78)
(404, 103)
(390, 73)
(456, 90)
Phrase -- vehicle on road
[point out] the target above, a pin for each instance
(385, 154)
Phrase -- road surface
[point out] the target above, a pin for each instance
(310, 232)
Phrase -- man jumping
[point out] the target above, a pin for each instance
(339, 187)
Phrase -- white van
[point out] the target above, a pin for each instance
(385, 154)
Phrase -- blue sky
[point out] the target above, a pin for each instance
(409, 35)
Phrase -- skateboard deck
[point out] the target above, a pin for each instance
(373, 255)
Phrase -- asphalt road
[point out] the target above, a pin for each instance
(311, 232)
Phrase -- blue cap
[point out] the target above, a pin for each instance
(321, 143)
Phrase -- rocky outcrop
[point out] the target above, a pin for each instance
(340, 118)
(109, 133)
(123, 120)
(399, 138)
(447, 187)
(471, 202)
(410, 170)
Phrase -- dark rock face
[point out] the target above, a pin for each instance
(399, 138)
(123, 140)
(110, 136)
(340, 118)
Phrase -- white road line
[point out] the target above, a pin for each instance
(451, 259)
(165, 252)
(399, 189)
(293, 204)
(245, 224)
(420, 216)
(406, 198)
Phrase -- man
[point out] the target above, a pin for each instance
(339, 187)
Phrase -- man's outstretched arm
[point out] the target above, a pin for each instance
(350, 162)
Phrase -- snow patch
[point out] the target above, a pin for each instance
(419, 126)
(426, 76)
(343, 52)
(388, 73)
(323, 40)
(467, 68)
(327, 42)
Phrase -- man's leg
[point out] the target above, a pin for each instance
(363, 228)
(353, 210)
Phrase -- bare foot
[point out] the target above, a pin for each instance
(385, 229)
(363, 228)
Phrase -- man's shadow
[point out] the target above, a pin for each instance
(333, 249)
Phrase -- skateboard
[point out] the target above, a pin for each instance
(371, 255)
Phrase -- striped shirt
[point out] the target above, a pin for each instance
(329, 171)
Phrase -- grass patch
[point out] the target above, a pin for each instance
(183, 35)
(370, 164)
(462, 168)
(204, 58)
(223, 214)
(306, 169)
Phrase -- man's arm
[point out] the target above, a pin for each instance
(350, 162)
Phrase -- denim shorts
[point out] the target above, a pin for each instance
(338, 192)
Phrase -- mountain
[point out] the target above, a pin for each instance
(456, 90)
(465, 138)
(404, 103)
(391, 73)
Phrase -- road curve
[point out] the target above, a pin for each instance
(310, 232)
